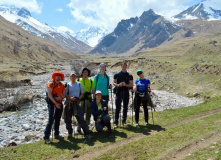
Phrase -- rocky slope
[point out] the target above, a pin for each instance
(148, 31)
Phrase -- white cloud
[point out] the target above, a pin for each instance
(108, 13)
(64, 29)
(59, 10)
(31, 5)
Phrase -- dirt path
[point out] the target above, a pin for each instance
(185, 151)
(96, 152)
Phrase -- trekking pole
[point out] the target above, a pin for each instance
(132, 106)
(53, 123)
(151, 106)
(112, 105)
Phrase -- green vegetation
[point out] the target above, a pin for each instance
(173, 129)
(186, 66)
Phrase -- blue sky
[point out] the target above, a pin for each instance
(77, 14)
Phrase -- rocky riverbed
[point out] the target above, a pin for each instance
(28, 123)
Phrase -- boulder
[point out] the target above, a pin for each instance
(196, 94)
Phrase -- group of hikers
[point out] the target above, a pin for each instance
(79, 100)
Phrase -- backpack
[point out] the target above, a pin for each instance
(47, 99)
(107, 80)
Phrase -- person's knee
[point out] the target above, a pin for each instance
(99, 128)
(106, 119)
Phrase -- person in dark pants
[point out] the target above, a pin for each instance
(142, 89)
(123, 81)
(74, 92)
(56, 92)
(100, 112)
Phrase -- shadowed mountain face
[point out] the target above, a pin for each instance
(148, 31)
(23, 18)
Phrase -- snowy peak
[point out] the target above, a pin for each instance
(24, 13)
(16, 11)
(207, 9)
(91, 36)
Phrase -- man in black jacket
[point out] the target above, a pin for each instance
(123, 81)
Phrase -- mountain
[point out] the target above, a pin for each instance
(209, 9)
(23, 18)
(17, 45)
(91, 36)
(148, 31)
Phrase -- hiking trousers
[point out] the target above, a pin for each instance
(137, 108)
(85, 107)
(69, 111)
(100, 125)
(54, 116)
(121, 96)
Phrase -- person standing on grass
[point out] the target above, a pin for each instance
(100, 112)
(56, 93)
(88, 87)
(102, 82)
(74, 92)
(123, 81)
(142, 89)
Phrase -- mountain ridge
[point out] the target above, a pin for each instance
(23, 18)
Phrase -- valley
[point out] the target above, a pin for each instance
(181, 57)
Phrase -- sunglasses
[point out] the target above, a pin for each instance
(57, 75)
(138, 73)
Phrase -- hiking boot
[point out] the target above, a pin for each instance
(136, 124)
(124, 123)
(111, 134)
(47, 141)
(115, 126)
(78, 132)
(88, 136)
(58, 137)
(147, 124)
(70, 136)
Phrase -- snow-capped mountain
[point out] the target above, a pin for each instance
(22, 17)
(92, 36)
(148, 31)
(210, 9)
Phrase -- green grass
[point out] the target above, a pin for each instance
(164, 141)
(211, 152)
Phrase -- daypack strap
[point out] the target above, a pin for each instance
(106, 77)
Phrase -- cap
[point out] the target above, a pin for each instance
(139, 70)
(98, 92)
(57, 72)
(103, 64)
(73, 72)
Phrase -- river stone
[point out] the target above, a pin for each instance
(26, 127)
(196, 94)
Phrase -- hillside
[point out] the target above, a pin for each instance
(186, 66)
(21, 51)
(17, 44)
